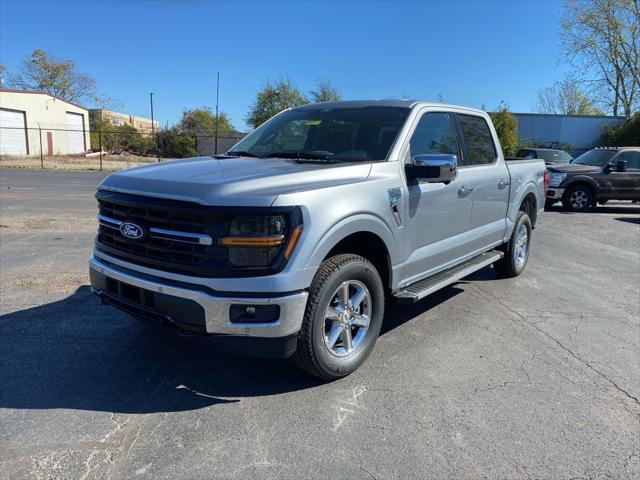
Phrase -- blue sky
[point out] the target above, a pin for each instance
(468, 52)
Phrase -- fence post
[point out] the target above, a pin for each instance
(158, 145)
(41, 156)
(100, 146)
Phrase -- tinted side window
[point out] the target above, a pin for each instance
(477, 140)
(632, 159)
(434, 134)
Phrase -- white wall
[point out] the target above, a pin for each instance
(50, 114)
(578, 131)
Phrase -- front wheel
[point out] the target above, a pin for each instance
(516, 251)
(578, 198)
(342, 319)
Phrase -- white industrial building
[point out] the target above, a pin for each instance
(34, 122)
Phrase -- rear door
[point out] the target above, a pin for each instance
(486, 174)
(437, 217)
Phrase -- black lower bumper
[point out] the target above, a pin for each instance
(184, 315)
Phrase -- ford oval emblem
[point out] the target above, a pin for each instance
(131, 231)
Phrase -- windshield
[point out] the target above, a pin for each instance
(335, 134)
(595, 158)
(556, 156)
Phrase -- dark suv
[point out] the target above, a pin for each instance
(598, 175)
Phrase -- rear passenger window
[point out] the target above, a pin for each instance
(478, 141)
(434, 134)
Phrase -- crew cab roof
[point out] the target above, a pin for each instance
(406, 103)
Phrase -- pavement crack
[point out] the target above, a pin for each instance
(559, 344)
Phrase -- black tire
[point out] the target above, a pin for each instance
(313, 355)
(578, 198)
(512, 264)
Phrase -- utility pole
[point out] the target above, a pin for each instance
(217, 98)
(153, 128)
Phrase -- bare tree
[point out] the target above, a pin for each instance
(39, 71)
(565, 98)
(601, 39)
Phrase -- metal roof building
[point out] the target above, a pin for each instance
(33, 121)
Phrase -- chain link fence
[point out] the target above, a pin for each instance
(68, 149)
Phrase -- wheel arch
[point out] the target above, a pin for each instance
(588, 182)
(361, 235)
(529, 205)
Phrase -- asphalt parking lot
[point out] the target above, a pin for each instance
(535, 377)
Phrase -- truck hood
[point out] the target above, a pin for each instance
(232, 181)
(572, 168)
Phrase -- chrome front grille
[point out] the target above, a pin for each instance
(179, 237)
(161, 233)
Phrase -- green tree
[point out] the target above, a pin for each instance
(203, 121)
(39, 71)
(325, 92)
(506, 125)
(627, 134)
(566, 98)
(274, 97)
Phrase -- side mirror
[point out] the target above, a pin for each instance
(433, 168)
(621, 166)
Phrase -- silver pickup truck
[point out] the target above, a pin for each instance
(292, 243)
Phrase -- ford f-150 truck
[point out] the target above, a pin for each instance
(292, 243)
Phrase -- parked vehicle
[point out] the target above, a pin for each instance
(598, 175)
(549, 155)
(290, 245)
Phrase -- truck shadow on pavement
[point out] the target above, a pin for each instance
(78, 354)
(619, 208)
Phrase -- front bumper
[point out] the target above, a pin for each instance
(554, 193)
(194, 310)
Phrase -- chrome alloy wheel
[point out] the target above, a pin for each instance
(347, 318)
(579, 199)
(521, 246)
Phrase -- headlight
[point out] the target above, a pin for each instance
(556, 178)
(260, 240)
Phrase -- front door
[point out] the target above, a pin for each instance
(626, 185)
(50, 144)
(437, 215)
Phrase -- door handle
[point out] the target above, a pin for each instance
(502, 184)
(465, 190)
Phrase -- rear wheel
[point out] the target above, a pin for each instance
(342, 318)
(516, 251)
(578, 198)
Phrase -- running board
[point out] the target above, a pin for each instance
(421, 289)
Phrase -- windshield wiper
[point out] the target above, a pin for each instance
(302, 155)
(242, 153)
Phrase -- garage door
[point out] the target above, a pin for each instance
(13, 139)
(75, 127)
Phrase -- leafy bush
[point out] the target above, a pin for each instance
(175, 145)
(625, 135)
(506, 125)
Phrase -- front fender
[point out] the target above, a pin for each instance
(580, 179)
(362, 222)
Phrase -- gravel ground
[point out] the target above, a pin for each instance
(534, 377)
